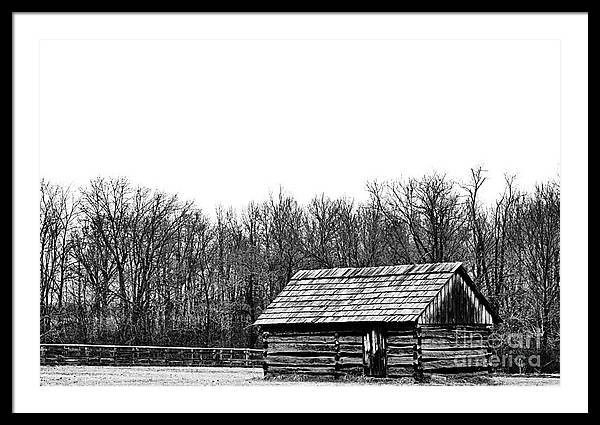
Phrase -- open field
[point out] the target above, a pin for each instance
(158, 376)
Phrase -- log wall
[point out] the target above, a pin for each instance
(454, 349)
(351, 359)
(402, 353)
(416, 351)
(330, 353)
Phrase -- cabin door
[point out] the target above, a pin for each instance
(374, 353)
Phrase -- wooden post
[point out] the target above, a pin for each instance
(366, 351)
(418, 354)
(415, 361)
(490, 367)
(384, 351)
(265, 352)
(336, 345)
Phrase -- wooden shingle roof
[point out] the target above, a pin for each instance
(367, 294)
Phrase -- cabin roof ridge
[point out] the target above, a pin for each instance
(393, 293)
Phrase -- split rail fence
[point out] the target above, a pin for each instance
(122, 355)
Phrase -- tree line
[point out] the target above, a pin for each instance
(126, 264)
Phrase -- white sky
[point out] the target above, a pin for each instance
(225, 121)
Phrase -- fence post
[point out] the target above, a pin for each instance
(336, 346)
(83, 354)
(265, 352)
(418, 354)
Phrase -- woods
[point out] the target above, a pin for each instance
(122, 264)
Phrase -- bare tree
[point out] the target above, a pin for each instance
(321, 223)
(127, 264)
(58, 213)
(107, 207)
(478, 227)
(286, 224)
(427, 216)
(539, 241)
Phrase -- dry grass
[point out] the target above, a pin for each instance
(148, 375)
(190, 376)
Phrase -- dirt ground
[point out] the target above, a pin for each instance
(159, 376)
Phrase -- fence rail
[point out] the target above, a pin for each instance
(125, 355)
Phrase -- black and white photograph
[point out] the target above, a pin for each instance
(301, 212)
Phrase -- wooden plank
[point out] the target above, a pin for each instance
(301, 339)
(462, 333)
(350, 339)
(300, 360)
(287, 369)
(440, 340)
(449, 327)
(349, 361)
(400, 370)
(351, 348)
(400, 333)
(400, 341)
(299, 347)
(471, 370)
(302, 353)
(400, 350)
(351, 355)
(351, 370)
(438, 348)
(288, 334)
(443, 354)
(401, 347)
(459, 337)
(406, 355)
(400, 375)
(408, 363)
(455, 362)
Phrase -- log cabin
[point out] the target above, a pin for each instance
(391, 321)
